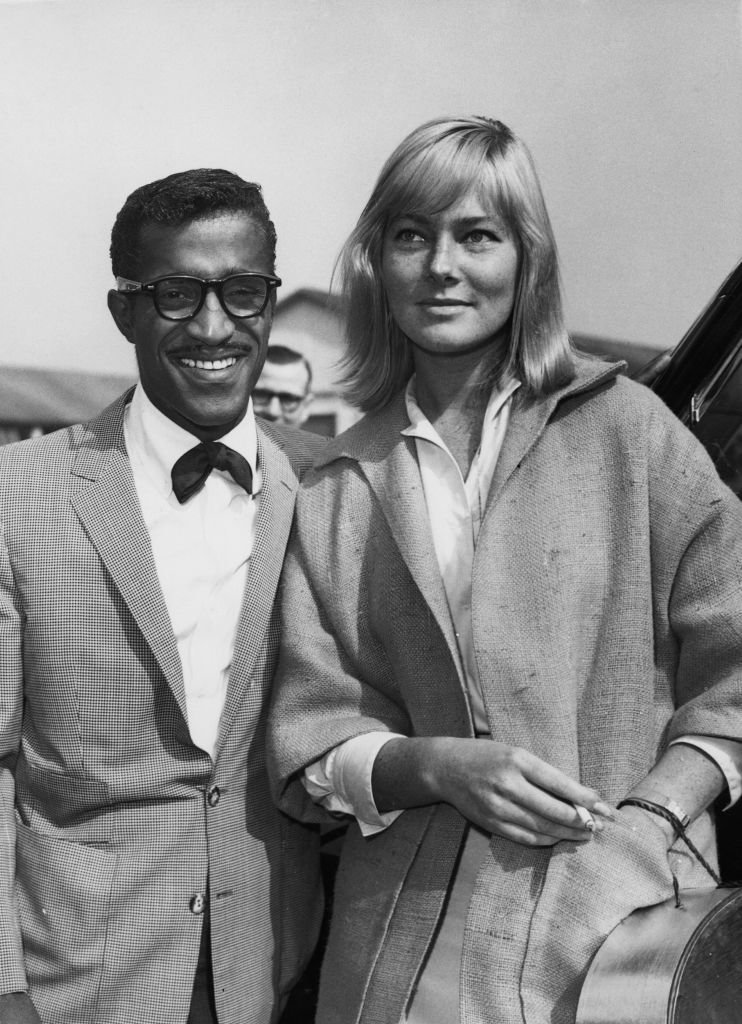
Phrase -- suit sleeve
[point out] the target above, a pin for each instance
(334, 680)
(12, 970)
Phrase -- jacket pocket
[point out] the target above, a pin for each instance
(63, 891)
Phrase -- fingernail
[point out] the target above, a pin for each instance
(605, 810)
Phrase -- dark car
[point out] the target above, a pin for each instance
(702, 382)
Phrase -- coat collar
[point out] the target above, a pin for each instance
(530, 416)
(372, 438)
(388, 460)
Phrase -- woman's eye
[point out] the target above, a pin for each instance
(408, 235)
(479, 235)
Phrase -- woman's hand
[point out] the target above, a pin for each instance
(504, 790)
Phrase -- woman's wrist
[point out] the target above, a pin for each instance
(638, 818)
(662, 805)
(405, 773)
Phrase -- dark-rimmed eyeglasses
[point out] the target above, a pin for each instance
(262, 398)
(181, 297)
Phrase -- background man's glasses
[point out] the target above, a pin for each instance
(181, 298)
(263, 398)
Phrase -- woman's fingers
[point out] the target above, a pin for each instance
(525, 826)
(555, 795)
(512, 792)
(540, 814)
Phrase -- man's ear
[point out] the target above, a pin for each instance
(120, 309)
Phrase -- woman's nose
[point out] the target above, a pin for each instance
(212, 324)
(442, 261)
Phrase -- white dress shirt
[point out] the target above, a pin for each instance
(201, 551)
(341, 780)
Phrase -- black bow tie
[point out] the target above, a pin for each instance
(191, 470)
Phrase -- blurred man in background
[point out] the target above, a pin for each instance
(284, 391)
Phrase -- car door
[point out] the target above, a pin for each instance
(702, 383)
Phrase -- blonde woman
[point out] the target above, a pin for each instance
(512, 602)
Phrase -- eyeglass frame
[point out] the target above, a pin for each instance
(287, 401)
(126, 286)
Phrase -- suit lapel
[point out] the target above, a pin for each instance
(106, 503)
(272, 528)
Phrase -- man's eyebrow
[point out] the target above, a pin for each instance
(226, 272)
(232, 271)
(240, 270)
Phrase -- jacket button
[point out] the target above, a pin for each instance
(213, 796)
(197, 903)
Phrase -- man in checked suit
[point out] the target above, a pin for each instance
(144, 873)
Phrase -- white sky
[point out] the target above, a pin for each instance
(633, 111)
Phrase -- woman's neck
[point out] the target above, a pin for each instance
(453, 392)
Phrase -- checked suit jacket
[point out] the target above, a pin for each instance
(114, 827)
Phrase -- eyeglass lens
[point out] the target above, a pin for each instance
(289, 402)
(180, 297)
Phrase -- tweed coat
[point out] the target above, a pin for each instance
(120, 822)
(607, 619)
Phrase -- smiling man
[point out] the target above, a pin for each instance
(144, 873)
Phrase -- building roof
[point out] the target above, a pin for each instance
(307, 296)
(634, 353)
(55, 397)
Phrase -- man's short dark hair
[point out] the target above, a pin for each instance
(282, 355)
(179, 199)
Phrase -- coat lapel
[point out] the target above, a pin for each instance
(526, 424)
(388, 461)
(106, 503)
(530, 416)
(272, 527)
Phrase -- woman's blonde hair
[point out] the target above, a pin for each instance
(434, 166)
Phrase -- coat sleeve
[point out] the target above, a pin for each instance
(695, 542)
(12, 970)
(696, 524)
(334, 680)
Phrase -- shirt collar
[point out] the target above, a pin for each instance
(157, 442)
(420, 425)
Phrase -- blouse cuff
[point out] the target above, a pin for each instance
(726, 754)
(341, 781)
